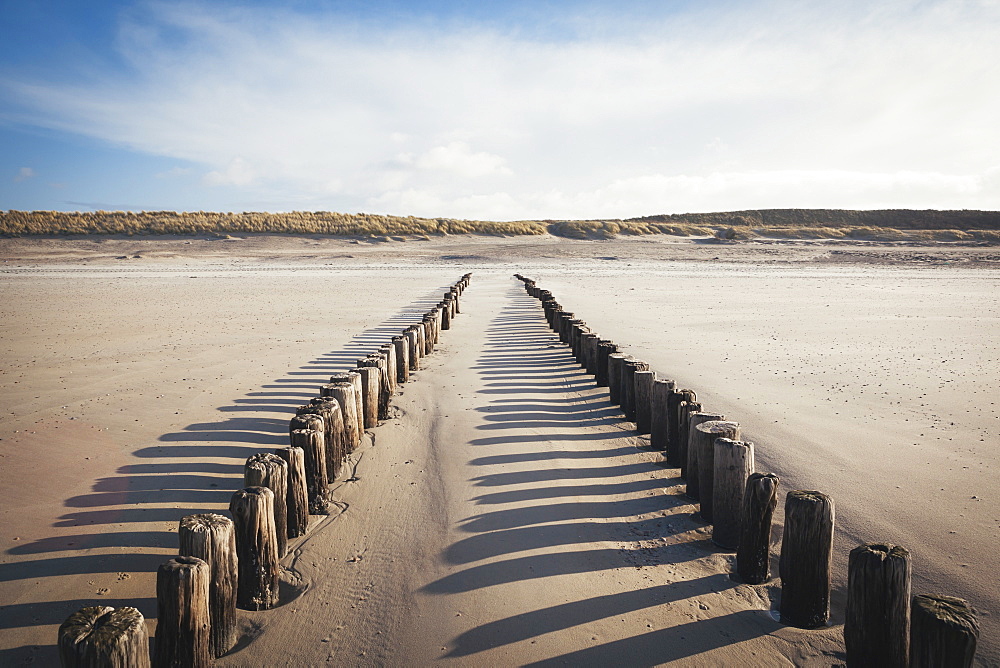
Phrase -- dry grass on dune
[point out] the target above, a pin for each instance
(203, 222)
(888, 225)
(863, 233)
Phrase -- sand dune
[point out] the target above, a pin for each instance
(507, 515)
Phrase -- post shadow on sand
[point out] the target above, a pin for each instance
(169, 473)
(522, 359)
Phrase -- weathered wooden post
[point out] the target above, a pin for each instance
(344, 395)
(388, 350)
(877, 621)
(385, 391)
(568, 320)
(333, 430)
(753, 556)
(677, 432)
(256, 548)
(806, 554)
(588, 345)
(402, 346)
(944, 632)
(297, 498)
(265, 469)
(658, 422)
(627, 391)
(336, 438)
(413, 345)
(371, 391)
(182, 617)
(705, 437)
(354, 378)
(643, 381)
(428, 321)
(555, 316)
(690, 465)
(306, 421)
(573, 331)
(445, 316)
(212, 539)
(436, 313)
(314, 455)
(421, 329)
(102, 636)
(615, 363)
(734, 462)
(604, 350)
(579, 333)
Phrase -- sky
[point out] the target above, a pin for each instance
(499, 110)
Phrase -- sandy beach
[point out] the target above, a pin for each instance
(507, 514)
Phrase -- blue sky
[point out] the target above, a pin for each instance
(499, 110)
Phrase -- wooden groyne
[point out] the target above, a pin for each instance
(230, 563)
(885, 625)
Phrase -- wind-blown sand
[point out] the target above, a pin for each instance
(507, 515)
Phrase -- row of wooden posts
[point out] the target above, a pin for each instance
(884, 625)
(224, 563)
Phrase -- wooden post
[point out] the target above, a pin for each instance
(427, 321)
(314, 459)
(378, 361)
(266, 469)
(690, 465)
(371, 390)
(806, 554)
(385, 390)
(944, 632)
(753, 556)
(734, 463)
(604, 350)
(588, 346)
(555, 317)
(615, 363)
(436, 314)
(297, 498)
(658, 423)
(421, 330)
(389, 350)
(677, 430)
(705, 435)
(256, 547)
(335, 437)
(182, 617)
(877, 621)
(413, 345)
(306, 421)
(402, 358)
(333, 430)
(102, 636)
(354, 378)
(629, 369)
(562, 323)
(445, 316)
(644, 381)
(344, 394)
(212, 539)
(579, 331)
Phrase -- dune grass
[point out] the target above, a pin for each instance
(205, 222)
(888, 225)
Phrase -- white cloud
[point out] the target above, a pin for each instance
(459, 159)
(768, 103)
(24, 174)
